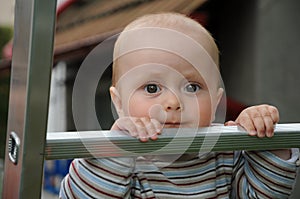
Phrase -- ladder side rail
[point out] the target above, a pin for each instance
(29, 95)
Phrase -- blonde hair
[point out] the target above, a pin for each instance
(174, 21)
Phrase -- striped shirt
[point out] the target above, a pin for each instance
(241, 174)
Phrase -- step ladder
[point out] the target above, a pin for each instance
(28, 144)
(29, 92)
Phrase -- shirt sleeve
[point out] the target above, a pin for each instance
(98, 178)
(295, 156)
(261, 174)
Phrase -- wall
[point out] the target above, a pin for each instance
(7, 12)
(277, 59)
(277, 56)
(260, 44)
(260, 54)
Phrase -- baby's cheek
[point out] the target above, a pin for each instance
(205, 117)
(200, 115)
(138, 109)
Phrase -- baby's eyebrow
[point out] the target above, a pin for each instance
(193, 76)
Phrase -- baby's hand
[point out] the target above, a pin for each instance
(142, 128)
(257, 120)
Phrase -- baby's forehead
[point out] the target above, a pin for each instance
(185, 43)
(153, 59)
(157, 63)
(171, 54)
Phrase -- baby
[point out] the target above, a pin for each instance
(165, 75)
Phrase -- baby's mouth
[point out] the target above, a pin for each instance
(172, 125)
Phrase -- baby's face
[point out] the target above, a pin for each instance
(163, 86)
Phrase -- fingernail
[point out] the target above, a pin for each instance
(270, 134)
(154, 137)
(143, 139)
(261, 134)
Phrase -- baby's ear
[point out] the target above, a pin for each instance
(219, 96)
(116, 98)
(220, 93)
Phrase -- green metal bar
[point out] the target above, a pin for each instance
(29, 93)
(68, 145)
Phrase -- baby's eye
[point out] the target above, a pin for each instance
(152, 88)
(192, 88)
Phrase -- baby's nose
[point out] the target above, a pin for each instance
(172, 102)
(175, 108)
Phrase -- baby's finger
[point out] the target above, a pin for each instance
(247, 124)
(267, 119)
(269, 126)
(158, 126)
(230, 123)
(259, 124)
(141, 130)
(126, 124)
(149, 128)
(274, 114)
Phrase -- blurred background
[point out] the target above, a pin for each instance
(259, 46)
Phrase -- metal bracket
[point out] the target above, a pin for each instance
(13, 147)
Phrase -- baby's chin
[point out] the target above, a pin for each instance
(185, 125)
(172, 125)
(180, 125)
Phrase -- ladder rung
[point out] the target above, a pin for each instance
(85, 144)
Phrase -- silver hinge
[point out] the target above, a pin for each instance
(13, 147)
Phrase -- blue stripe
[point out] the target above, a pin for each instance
(99, 182)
